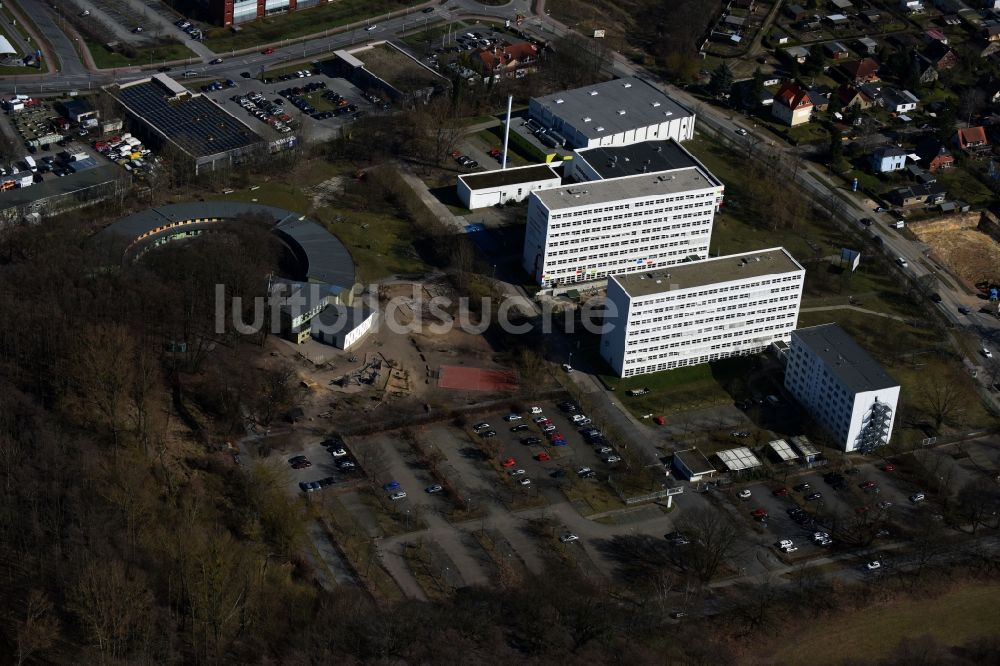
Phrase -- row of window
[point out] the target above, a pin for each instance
(684, 338)
(737, 302)
(645, 226)
(639, 217)
(668, 297)
(641, 327)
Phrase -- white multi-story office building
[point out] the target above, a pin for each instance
(842, 387)
(700, 311)
(636, 220)
(613, 113)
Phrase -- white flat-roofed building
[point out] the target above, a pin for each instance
(588, 231)
(739, 459)
(613, 113)
(499, 186)
(842, 387)
(700, 311)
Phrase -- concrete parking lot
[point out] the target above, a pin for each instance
(311, 129)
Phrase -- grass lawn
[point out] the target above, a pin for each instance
(298, 24)
(963, 184)
(684, 389)
(593, 497)
(378, 242)
(871, 634)
(426, 41)
(359, 550)
(105, 59)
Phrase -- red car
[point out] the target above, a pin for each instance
(268, 51)
(889, 467)
(759, 514)
(780, 492)
(495, 152)
(659, 420)
(555, 435)
(456, 154)
(510, 462)
(543, 457)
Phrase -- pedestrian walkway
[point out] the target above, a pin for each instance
(856, 309)
(454, 222)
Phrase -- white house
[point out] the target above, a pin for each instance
(700, 311)
(842, 387)
(613, 113)
(489, 188)
(588, 231)
(898, 101)
(912, 6)
(886, 160)
(792, 105)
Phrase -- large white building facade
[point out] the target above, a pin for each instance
(635, 220)
(842, 387)
(700, 311)
(613, 113)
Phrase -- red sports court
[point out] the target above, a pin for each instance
(476, 379)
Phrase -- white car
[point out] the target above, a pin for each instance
(398, 495)
(370, 28)
(517, 472)
(789, 549)
(986, 352)
(785, 543)
(610, 460)
(741, 131)
(902, 262)
(744, 494)
(569, 536)
(512, 417)
(536, 410)
(917, 498)
(873, 565)
(338, 453)
(540, 419)
(525, 482)
(576, 418)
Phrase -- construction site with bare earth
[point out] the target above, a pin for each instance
(967, 244)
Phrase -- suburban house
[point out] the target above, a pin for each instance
(887, 160)
(797, 12)
(779, 37)
(898, 101)
(798, 53)
(934, 155)
(972, 141)
(862, 71)
(939, 56)
(871, 15)
(867, 45)
(850, 96)
(820, 98)
(836, 51)
(991, 31)
(792, 105)
(935, 35)
(912, 6)
(916, 195)
(507, 60)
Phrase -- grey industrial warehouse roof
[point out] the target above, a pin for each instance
(644, 105)
(192, 121)
(327, 258)
(709, 271)
(643, 157)
(844, 358)
(501, 177)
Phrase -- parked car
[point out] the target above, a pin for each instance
(509, 462)
(780, 492)
(916, 498)
(433, 489)
(801, 487)
(481, 426)
(520, 427)
(812, 497)
(873, 565)
(744, 494)
(398, 495)
(267, 51)
(512, 417)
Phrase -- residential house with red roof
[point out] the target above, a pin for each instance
(972, 141)
(507, 60)
(862, 71)
(792, 105)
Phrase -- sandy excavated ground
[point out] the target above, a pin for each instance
(970, 255)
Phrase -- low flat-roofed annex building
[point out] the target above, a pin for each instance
(700, 311)
(740, 459)
(842, 387)
(588, 231)
(692, 465)
(616, 112)
(490, 188)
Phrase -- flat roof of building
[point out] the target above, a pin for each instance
(629, 187)
(709, 271)
(501, 177)
(694, 461)
(804, 446)
(738, 459)
(844, 358)
(192, 121)
(596, 110)
(783, 450)
(648, 157)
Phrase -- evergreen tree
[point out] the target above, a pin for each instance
(722, 80)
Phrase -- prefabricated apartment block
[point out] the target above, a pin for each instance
(588, 231)
(842, 387)
(613, 113)
(700, 311)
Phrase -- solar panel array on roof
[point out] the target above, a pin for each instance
(191, 121)
(738, 459)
